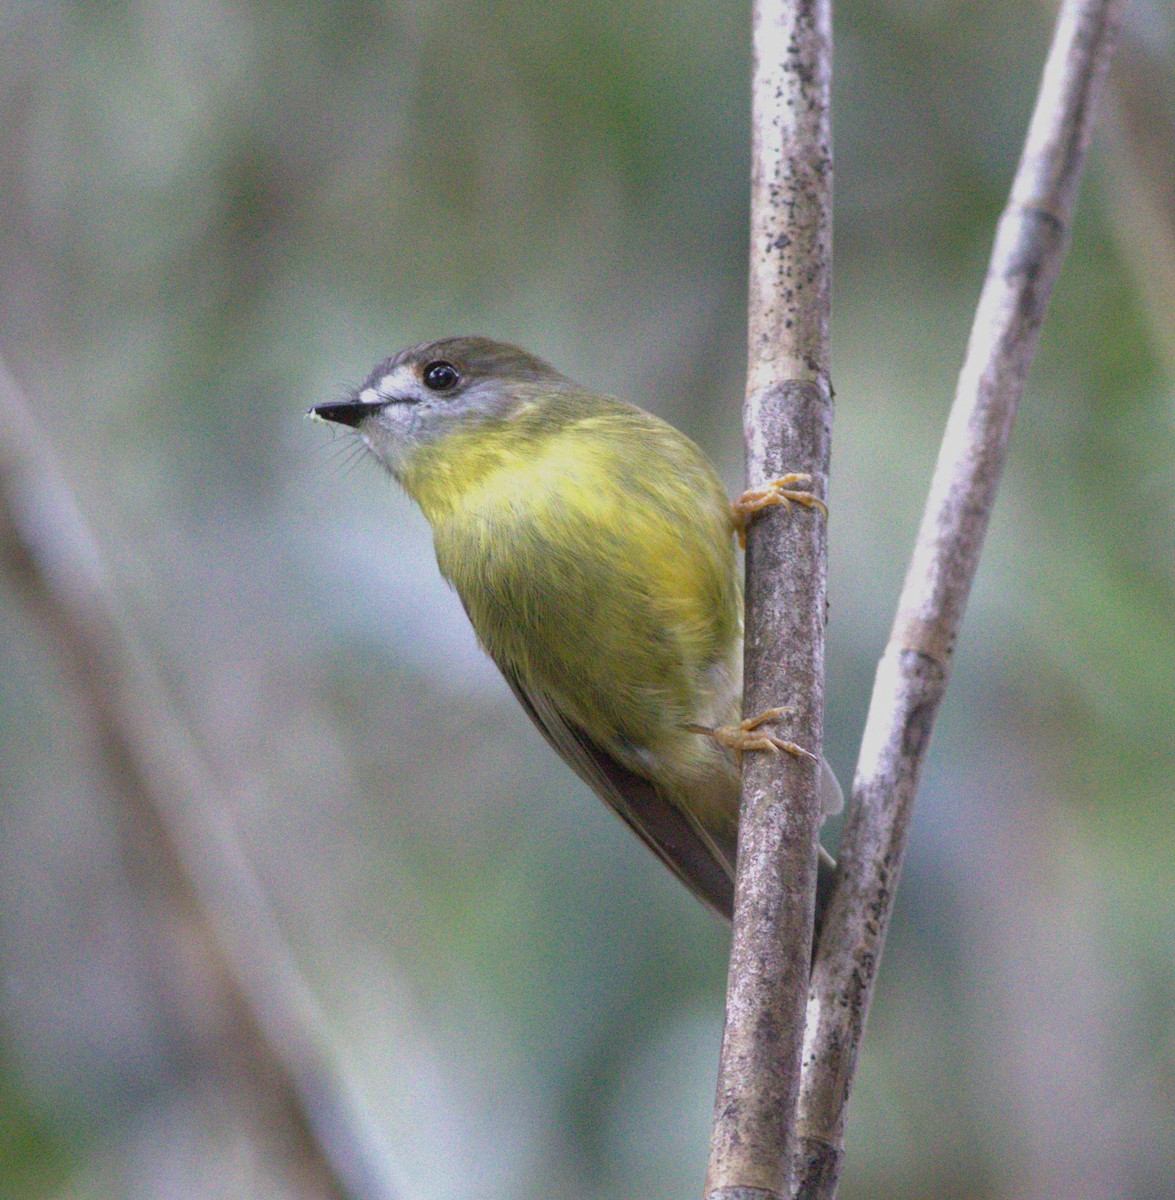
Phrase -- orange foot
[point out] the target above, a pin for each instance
(778, 491)
(743, 737)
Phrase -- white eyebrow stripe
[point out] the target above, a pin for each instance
(369, 396)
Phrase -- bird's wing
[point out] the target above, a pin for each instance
(662, 825)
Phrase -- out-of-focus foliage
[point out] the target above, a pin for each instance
(214, 214)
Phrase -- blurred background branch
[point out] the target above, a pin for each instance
(248, 1020)
(1142, 148)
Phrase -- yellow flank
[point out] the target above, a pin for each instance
(591, 545)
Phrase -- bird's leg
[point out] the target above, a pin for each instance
(778, 491)
(746, 736)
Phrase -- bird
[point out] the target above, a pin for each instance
(593, 548)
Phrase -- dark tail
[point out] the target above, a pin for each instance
(825, 877)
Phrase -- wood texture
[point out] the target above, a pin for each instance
(787, 425)
(1029, 247)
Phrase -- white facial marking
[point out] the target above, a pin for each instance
(396, 382)
(369, 396)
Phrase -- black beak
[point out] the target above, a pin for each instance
(347, 412)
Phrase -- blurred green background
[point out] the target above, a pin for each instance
(215, 213)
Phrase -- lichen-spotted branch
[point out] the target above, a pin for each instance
(787, 421)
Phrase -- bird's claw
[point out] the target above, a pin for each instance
(777, 491)
(745, 736)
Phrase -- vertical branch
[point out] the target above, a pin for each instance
(787, 426)
(912, 676)
(253, 999)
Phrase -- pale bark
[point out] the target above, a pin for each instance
(1029, 247)
(787, 423)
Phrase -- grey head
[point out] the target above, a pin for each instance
(424, 392)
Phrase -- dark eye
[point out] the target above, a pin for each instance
(440, 376)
